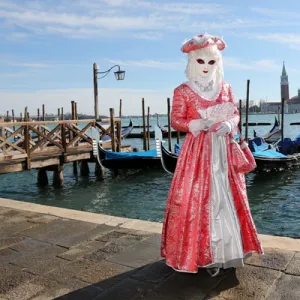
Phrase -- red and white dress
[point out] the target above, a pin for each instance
(207, 222)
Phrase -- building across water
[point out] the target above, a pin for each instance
(291, 105)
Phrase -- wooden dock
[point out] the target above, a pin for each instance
(48, 145)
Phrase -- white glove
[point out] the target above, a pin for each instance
(195, 126)
(224, 129)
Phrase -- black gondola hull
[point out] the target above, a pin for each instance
(269, 164)
(169, 161)
(136, 163)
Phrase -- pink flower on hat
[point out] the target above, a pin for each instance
(203, 41)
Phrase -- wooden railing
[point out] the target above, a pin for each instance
(28, 140)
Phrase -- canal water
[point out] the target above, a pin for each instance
(274, 197)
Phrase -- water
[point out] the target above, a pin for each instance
(274, 197)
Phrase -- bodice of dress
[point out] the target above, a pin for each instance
(188, 105)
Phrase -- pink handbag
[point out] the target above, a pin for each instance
(242, 158)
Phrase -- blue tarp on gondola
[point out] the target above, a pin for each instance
(268, 153)
(130, 155)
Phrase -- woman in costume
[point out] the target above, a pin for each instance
(207, 221)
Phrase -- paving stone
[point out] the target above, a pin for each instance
(247, 283)
(137, 256)
(32, 247)
(4, 210)
(153, 273)
(53, 293)
(111, 236)
(297, 255)
(293, 267)
(8, 212)
(9, 241)
(12, 228)
(109, 282)
(122, 243)
(82, 250)
(128, 289)
(15, 216)
(287, 288)
(38, 264)
(83, 236)
(63, 232)
(96, 273)
(155, 239)
(24, 291)
(273, 258)
(152, 295)
(8, 256)
(188, 286)
(89, 292)
(11, 277)
(28, 214)
(43, 219)
(91, 272)
(134, 232)
(115, 246)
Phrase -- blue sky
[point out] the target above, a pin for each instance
(48, 47)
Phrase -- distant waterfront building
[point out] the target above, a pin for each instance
(270, 107)
(294, 103)
(291, 105)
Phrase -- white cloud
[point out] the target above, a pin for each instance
(126, 18)
(263, 65)
(277, 13)
(149, 64)
(53, 99)
(288, 39)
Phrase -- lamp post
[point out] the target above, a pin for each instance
(120, 75)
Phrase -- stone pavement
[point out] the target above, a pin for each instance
(43, 256)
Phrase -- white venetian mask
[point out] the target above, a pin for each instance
(205, 71)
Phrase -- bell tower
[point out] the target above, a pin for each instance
(284, 85)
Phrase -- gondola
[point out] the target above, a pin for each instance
(128, 160)
(124, 133)
(274, 134)
(168, 159)
(266, 159)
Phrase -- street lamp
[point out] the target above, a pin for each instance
(120, 75)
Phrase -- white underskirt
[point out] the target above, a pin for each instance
(226, 243)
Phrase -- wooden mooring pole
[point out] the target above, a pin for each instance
(76, 115)
(84, 168)
(42, 177)
(13, 118)
(112, 129)
(247, 109)
(144, 125)
(148, 129)
(75, 170)
(95, 80)
(118, 137)
(25, 114)
(240, 112)
(178, 137)
(120, 110)
(58, 176)
(282, 119)
(112, 133)
(169, 126)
